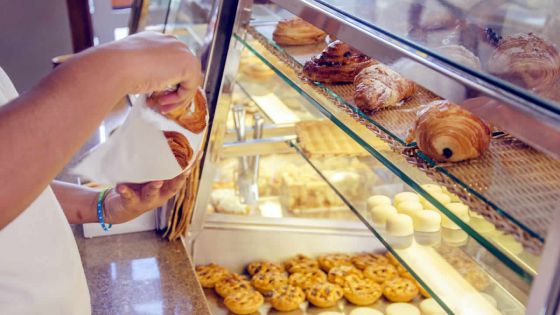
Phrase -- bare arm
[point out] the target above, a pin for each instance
(42, 129)
(122, 203)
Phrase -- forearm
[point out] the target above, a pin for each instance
(41, 130)
(79, 203)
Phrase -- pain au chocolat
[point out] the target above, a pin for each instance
(338, 63)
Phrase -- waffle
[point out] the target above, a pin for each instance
(321, 138)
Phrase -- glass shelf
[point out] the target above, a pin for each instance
(522, 262)
(437, 260)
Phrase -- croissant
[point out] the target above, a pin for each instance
(526, 60)
(338, 63)
(293, 32)
(446, 132)
(192, 118)
(461, 55)
(180, 147)
(377, 87)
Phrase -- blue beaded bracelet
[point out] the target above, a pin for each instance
(100, 200)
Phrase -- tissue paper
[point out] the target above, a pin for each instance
(138, 152)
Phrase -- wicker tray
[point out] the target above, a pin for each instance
(512, 185)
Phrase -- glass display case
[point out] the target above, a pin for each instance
(297, 164)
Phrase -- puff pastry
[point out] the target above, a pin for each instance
(378, 87)
(180, 147)
(338, 63)
(448, 133)
(293, 32)
(193, 117)
(526, 60)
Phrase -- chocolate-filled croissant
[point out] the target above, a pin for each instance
(446, 132)
(338, 63)
(180, 147)
(526, 60)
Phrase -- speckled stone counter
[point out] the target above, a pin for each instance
(139, 273)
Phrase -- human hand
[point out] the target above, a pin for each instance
(153, 62)
(127, 201)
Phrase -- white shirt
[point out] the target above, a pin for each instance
(40, 267)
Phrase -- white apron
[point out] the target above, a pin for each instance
(40, 267)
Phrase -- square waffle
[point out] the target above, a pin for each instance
(321, 138)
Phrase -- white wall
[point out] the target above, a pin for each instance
(31, 33)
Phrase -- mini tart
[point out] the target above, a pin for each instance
(381, 273)
(266, 282)
(232, 283)
(300, 263)
(306, 280)
(324, 294)
(263, 266)
(362, 291)
(209, 274)
(363, 260)
(392, 259)
(326, 262)
(244, 302)
(403, 272)
(338, 275)
(400, 290)
(287, 298)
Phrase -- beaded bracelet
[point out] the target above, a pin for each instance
(100, 200)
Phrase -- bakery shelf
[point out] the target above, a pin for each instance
(438, 260)
(378, 145)
(493, 193)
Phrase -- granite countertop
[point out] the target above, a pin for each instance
(139, 273)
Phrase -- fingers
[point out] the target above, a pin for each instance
(171, 187)
(151, 191)
(127, 194)
(172, 100)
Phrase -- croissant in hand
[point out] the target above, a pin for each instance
(338, 63)
(526, 60)
(180, 147)
(193, 117)
(446, 132)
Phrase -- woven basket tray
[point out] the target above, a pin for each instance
(512, 185)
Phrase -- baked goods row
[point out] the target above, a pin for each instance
(300, 189)
(442, 130)
(362, 279)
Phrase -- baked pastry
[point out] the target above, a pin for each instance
(266, 282)
(360, 291)
(263, 266)
(377, 87)
(209, 274)
(381, 273)
(448, 133)
(193, 117)
(244, 302)
(232, 283)
(287, 298)
(306, 280)
(526, 60)
(324, 294)
(338, 63)
(364, 260)
(295, 31)
(338, 275)
(300, 263)
(326, 262)
(180, 147)
(400, 290)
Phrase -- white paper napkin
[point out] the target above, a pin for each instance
(137, 151)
